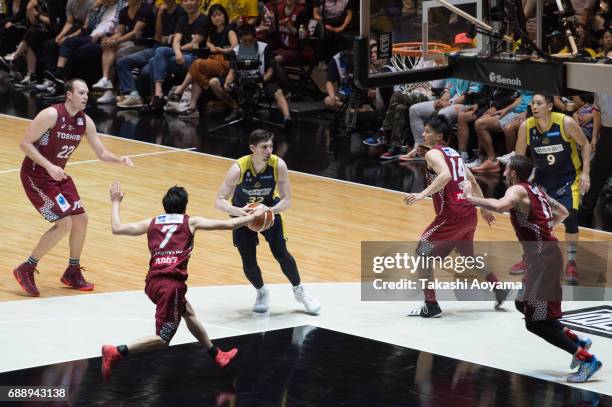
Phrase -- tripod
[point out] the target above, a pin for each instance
(249, 106)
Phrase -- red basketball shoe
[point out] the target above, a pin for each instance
(571, 275)
(223, 358)
(74, 278)
(110, 357)
(519, 268)
(24, 274)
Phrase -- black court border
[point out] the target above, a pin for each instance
(582, 328)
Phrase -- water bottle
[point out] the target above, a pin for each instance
(302, 32)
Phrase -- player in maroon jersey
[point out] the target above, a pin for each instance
(534, 215)
(49, 142)
(456, 218)
(170, 238)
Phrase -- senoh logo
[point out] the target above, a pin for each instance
(496, 78)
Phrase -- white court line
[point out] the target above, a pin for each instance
(341, 181)
(97, 160)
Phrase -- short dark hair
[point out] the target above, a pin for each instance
(69, 84)
(247, 29)
(259, 136)
(175, 200)
(440, 124)
(522, 165)
(217, 8)
(547, 98)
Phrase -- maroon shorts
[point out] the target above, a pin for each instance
(540, 298)
(53, 199)
(168, 294)
(444, 234)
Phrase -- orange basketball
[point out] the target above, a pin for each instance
(263, 221)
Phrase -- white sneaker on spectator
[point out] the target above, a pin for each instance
(10, 57)
(46, 85)
(107, 97)
(103, 83)
(465, 156)
(130, 102)
(505, 159)
(301, 295)
(262, 301)
(176, 107)
(474, 163)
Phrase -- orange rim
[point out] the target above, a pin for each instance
(414, 49)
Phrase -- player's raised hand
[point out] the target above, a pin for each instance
(57, 173)
(127, 161)
(116, 194)
(411, 199)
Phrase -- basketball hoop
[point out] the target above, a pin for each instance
(407, 56)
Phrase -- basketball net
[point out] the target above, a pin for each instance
(407, 56)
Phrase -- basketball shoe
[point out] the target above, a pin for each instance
(428, 310)
(73, 277)
(584, 343)
(110, 357)
(301, 295)
(500, 297)
(585, 371)
(519, 268)
(223, 358)
(262, 300)
(24, 274)
(571, 275)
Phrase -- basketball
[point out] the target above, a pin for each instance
(262, 222)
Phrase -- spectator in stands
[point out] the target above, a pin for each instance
(186, 43)
(506, 120)
(267, 19)
(134, 33)
(101, 22)
(166, 21)
(239, 11)
(76, 14)
(44, 20)
(606, 42)
(249, 46)
(12, 28)
(587, 117)
(336, 17)
(221, 42)
(490, 103)
(601, 166)
(449, 105)
(285, 41)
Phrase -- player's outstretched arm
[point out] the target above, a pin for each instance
(118, 228)
(435, 160)
(513, 196)
(227, 190)
(43, 121)
(199, 223)
(574, 131)
(283, 188)
(477, 191)
(521, 139)
(101, 152)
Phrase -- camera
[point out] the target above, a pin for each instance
(248, 80)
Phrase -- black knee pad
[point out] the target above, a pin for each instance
(571, 222)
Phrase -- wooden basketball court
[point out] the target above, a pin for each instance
(326, 224)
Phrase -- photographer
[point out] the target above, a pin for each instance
(248, 81)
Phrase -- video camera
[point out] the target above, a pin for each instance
(248, 80)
